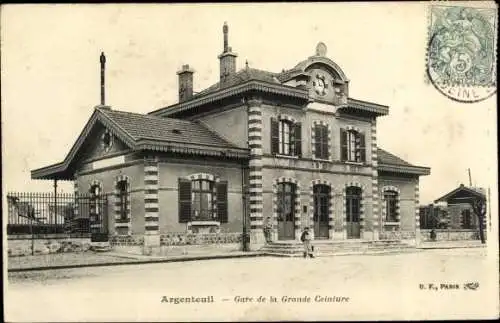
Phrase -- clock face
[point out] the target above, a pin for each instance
(320, 85)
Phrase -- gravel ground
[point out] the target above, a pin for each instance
(59, 259)
(377, 287)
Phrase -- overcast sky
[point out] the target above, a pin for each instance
(50, 75)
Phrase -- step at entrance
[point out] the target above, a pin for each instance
(330, 248)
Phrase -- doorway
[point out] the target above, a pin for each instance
(353, 206)
(286, 211)
(321, 200)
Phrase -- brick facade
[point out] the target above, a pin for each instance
(241, 139)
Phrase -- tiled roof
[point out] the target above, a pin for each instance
(475, 191)
(140, 126)
(388, 162)
(242, 76)
(385, 157)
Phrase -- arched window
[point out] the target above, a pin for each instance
(391, 202)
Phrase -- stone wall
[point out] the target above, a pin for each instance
(182, 238)
(397, 235)
(179, 239)
(126, 240)
(450, 235)
(22, 245)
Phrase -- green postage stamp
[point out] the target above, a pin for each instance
(461, 53)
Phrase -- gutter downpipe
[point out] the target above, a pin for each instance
(244, 190)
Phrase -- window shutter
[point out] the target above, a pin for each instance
(317, 141)
(298, 138)
(324, 142)
(275, 133)
(222, 201)
(362, 148)
(343, 144)
(184, 200)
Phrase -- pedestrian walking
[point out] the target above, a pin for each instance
(306, 240)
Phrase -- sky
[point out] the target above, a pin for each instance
(50, 75)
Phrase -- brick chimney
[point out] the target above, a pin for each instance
(227, 58)
(185, 83)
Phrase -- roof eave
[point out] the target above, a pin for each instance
(251, 85)
(448, 195)
(52, 172)
(377, 109)
(413, 170)
(194, 149)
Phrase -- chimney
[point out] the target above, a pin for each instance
(102, 59)
(185, 83)
(227, 58)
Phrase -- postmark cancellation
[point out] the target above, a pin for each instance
(461, 51)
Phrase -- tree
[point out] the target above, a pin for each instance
(479, 208)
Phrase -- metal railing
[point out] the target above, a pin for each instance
(48, 213)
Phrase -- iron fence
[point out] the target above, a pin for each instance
(49, 213)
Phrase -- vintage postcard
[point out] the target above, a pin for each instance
(250, 162)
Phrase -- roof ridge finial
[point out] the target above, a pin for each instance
(246, 64)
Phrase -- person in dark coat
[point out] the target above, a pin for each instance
(306, 240)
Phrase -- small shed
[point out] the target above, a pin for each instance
(459, 206)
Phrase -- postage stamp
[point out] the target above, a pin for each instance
(461, 53)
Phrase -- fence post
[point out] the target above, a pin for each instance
(32, 237)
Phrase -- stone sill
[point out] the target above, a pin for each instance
(204, 223)
(391, 223)
(354, 163)
(286, 156)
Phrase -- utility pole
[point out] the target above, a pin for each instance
(470, 178)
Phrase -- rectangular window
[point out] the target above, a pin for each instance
(286, 138)
(123, 197)
(321, 141)
(390, 207)
(202, 200)
(352, 146)
(466, 219)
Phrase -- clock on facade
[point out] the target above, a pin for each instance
(320, 85)
(107, 141)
